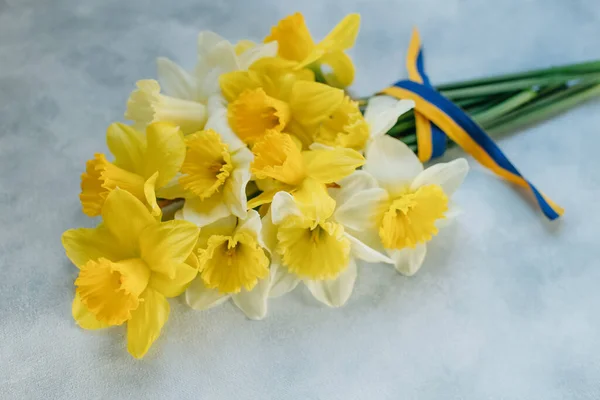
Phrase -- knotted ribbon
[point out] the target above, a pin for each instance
(437, 117)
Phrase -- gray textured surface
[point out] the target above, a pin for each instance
(505, 307)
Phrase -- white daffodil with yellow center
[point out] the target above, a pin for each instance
(280, 165)
(213, 178)
(142, 163)
(128, 266)
(297, 46)
(401, 208)
(233, 262)
(308, 244)
(182, 97)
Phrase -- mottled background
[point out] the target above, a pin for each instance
(505, 307)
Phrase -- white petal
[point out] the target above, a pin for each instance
(218, 122)
(204, 212)
(269, 233)
(199, 297)
(282, 281)
(392, 162)
(335, 292)
(224, 226)
(254, 302)
(242, 158)
(453, 212)
(282, 206)
(448, 175)
(352, 184)
(247, 58)
(363, 210)
(408, 261)
(363, 252)
(251, 223)
(174, 80)
(234, 192)
(207, 40)
(383, 112)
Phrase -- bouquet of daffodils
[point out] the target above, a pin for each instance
(252, 174)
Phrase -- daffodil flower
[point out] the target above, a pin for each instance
(186, 95)
(213, 178)
(128, 266)
(308, 244)
(142, 163)
(281, 162)
(233, 263)
(296, 45)
(402, 207)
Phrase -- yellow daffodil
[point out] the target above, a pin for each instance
(128, 266)
(233, 262)
(309, 245)
(402, 208)
(348, 128)
(281, 162)
(186, 95)
(142, 163)
(297, 46)
(213, 177)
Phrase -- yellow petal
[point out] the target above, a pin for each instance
(235, 83)
(411, 218)
(128, 146)
(293, 38)
(277, 156)
(253, 114)
(313, 102)
(261, 199)
(314, 201)
(207, 164)
(342, 69)
(342, 37)
(166, 245)
(150, 194)
(331, 165)
(165, 151)
(313, 252)
(83, 317)
(126, 217)
(84, 244)
(184, 274)
(146, 322)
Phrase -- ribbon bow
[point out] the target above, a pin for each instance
(437, 117)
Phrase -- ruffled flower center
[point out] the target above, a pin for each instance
(411, 217)
(254, 113)
(111, 290)
(207, 164)
(313, 251)
(276, 156)
(230, 263)
(345, 127)
(100, 178)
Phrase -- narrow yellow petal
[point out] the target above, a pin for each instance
(313, 102)
(277, 156)
(293, 38)
(164, 246)
(165, 151)
(262, 199)
(342, 69)
(128, 146)
(146, 322)
(184, 274)
(314, 201)
(84, 244)
(331, 165)
(126, 217)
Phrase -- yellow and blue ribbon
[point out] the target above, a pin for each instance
(437, 118)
